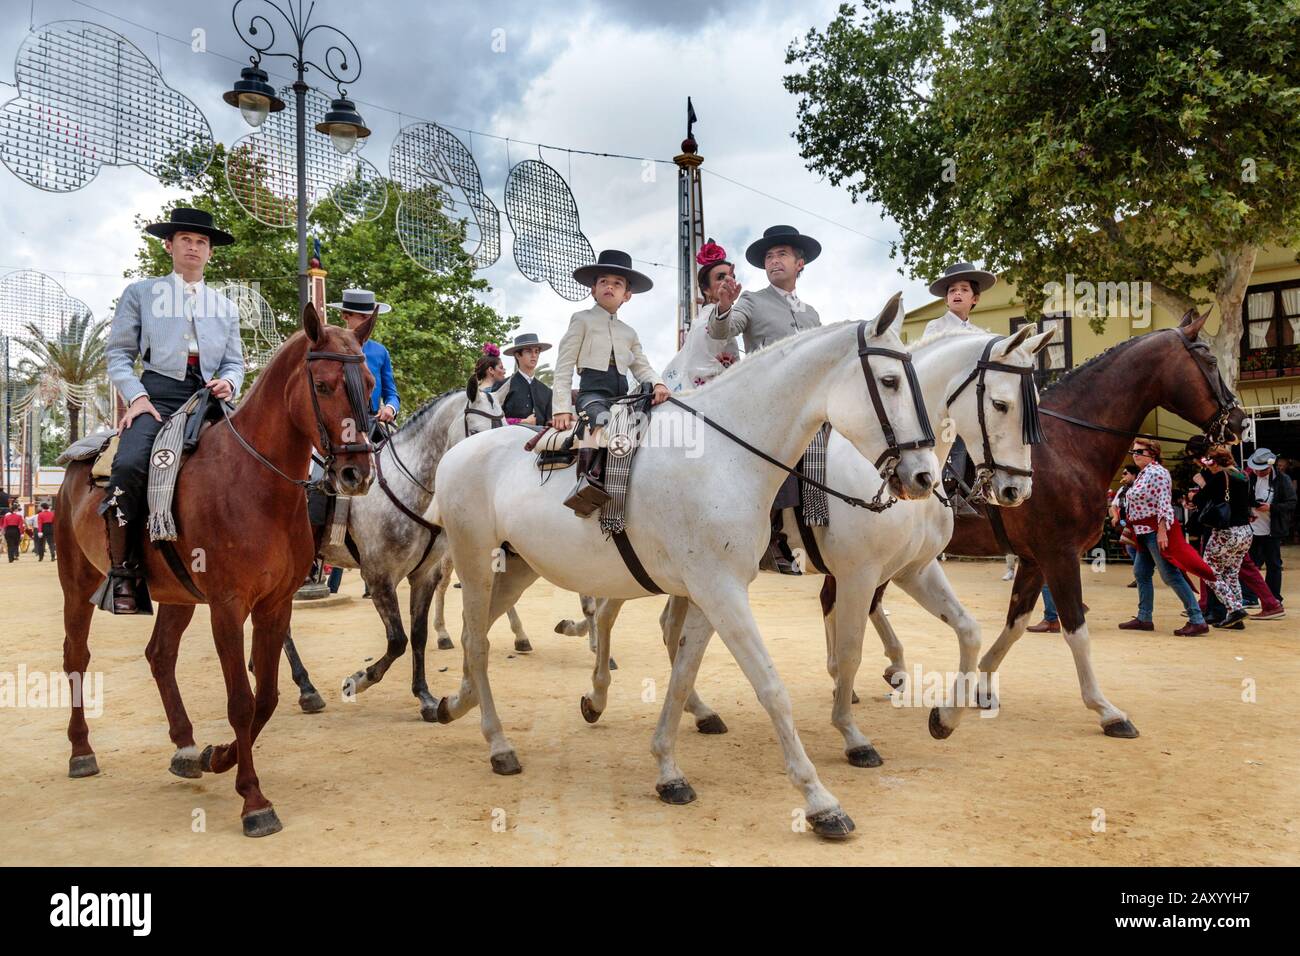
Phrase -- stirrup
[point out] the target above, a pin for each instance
(587, 497)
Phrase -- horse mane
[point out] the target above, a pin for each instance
(945, 334)
(428, 407)
(1071, 374)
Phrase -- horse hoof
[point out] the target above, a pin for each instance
(711, 724)
(589, 713)
(429, 713)
(83, 765)
(833, 824)
(312, 703)
(186, 765)
(205, 759)
(937, 730)
(856, 699)
(506, 764)
(677, 792)
(562, 627)
(864, 756)
(355, 685)
(443, 712)
(612, 664)
(445, 644)
(1120, 728)
(262, 823)
(524, 646)
(895, 678)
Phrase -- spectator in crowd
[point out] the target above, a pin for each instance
(1150, 512)
(45, 532)
(1118, 517)
(14, 527)
(1225, 511)
(1274, 501)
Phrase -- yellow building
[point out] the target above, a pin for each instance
(1269, 381)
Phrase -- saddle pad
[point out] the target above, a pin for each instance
(87, 447)
(103, 466)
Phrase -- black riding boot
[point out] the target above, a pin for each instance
(124, 570)
(778, 550)
(589, 493)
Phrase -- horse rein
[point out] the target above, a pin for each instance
(1030, 429)
(894, 450)
(355, 389)
(1216, 428)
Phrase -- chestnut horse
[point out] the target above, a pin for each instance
(244, 535)
(1108, 398)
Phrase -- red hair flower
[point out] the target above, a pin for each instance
(491, 349)
(710, 253)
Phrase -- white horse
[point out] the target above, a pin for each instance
(697, 517)
(864, 550)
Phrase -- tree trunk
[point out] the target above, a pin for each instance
(74, 420)
(1238, 265)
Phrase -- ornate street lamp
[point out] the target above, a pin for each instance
(255, 98)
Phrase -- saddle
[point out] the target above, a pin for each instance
(554, 449)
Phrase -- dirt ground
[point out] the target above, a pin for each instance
(1212, 779)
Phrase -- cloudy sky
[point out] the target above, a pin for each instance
(602, 76)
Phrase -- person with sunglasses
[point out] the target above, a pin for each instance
(1150, 510)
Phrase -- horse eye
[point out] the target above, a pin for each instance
(889, 381)
(322, 388)
(1000, 406)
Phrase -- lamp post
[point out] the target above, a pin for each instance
(255, 98)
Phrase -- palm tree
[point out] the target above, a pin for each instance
(545, 374)
(72, 364)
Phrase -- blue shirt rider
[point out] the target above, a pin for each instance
(357, 306)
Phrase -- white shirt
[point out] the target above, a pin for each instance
(948, 322)
(191, 298)
(1261, 521)
(795, 304)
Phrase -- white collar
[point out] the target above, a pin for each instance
(795, 303)
(526, 376)
(189, 286)
(958, 318)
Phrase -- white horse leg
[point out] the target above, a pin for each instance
(1113, 720)
(671, 621)
(845, 626)
(522, 644)
(671, 785)
(896, 673)
(593, 705)
(440, 605)
(727, 608)
(505, 589)
(930, 588)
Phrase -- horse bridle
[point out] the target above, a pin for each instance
(497, 419)
(894, 449)
(1031, 431)
(357, 399)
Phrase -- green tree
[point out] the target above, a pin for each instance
(1116, 140)
(438, 322)
(70, 364)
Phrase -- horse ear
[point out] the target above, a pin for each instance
(362, 331)
(1011, 342)
(1039, 342)
(892, 312)
(1191, 323)
(311, 323)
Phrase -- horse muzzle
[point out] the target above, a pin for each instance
(351, 480)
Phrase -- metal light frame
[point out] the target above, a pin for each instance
(549, 244)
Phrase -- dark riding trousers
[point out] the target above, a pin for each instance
(597, 389)
(131, 464)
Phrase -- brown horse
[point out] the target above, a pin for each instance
(1108, 398)
(244, 536)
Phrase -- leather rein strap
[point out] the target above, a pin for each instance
(433, 529)
(1031, 431)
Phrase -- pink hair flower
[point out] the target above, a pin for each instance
(491, 349)
(710, 253)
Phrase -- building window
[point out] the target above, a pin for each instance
(1270, 336)
(1058, 358)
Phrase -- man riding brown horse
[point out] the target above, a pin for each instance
(188, 338)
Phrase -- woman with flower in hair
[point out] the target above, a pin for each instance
(703, 357)
(489, 370)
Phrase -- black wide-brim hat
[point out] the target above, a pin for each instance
(526, 340)
(185, 219)
(782, 236)
(978, 278)
(613, 262)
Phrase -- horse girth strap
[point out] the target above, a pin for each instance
(633, 563)
(893, 447)
(433, 529)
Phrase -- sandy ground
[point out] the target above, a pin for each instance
(1212, 779)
